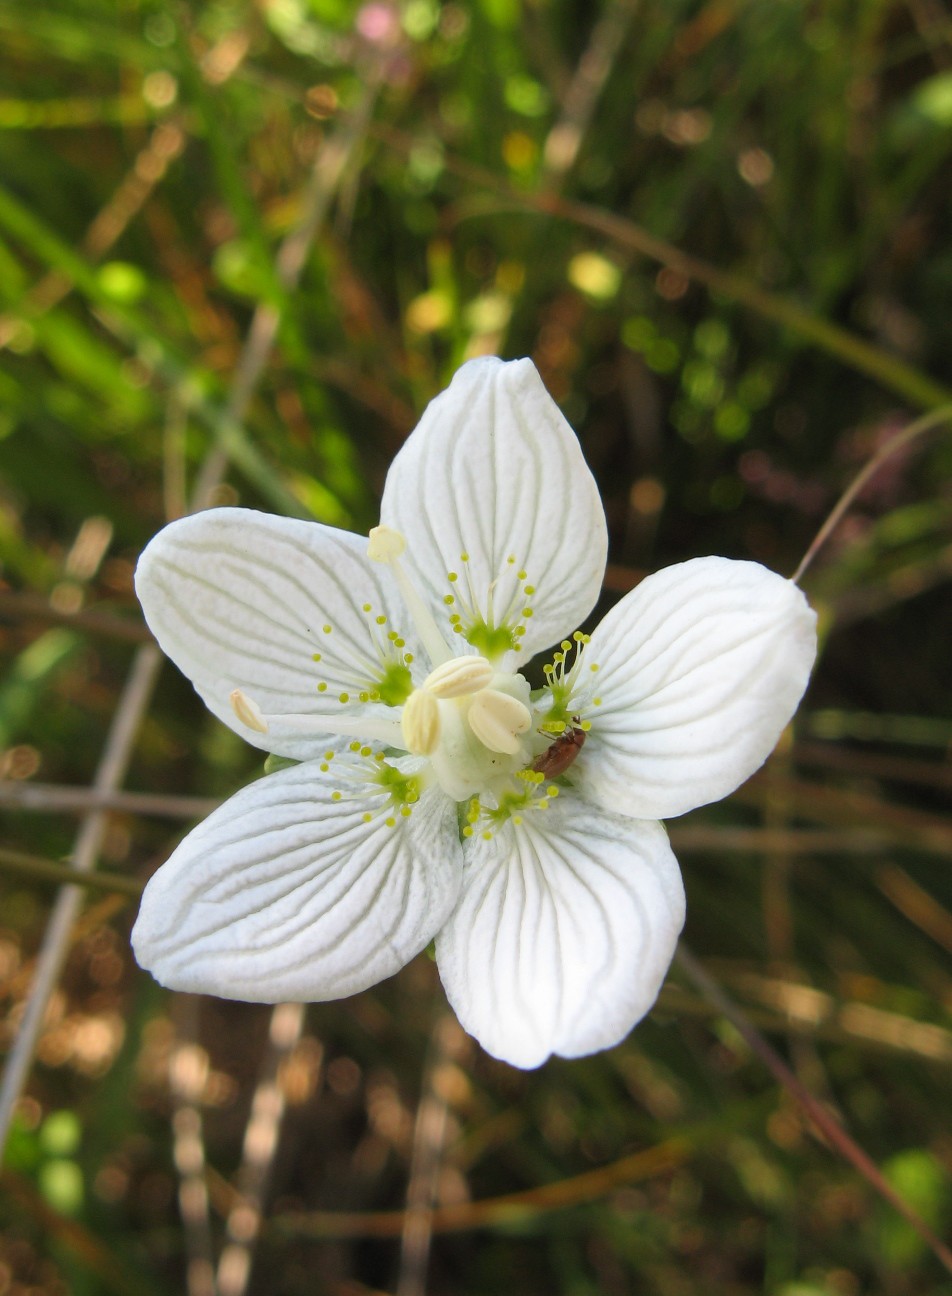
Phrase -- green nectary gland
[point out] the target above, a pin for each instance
(403, 789)
(559, 715)
(510, 803)
(490, 640)
(395, 684)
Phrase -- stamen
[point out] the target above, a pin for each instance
(496, 718)
(420, 722)
(386, 545)
(247, 711)
(459, 677)
(363, 726)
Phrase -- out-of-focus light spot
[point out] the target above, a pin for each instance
(594, 275)
(755, 166)
(96, 1042)
(321, 101)
(122, 282)
(637, 332)
(66, 597)
(525, 95)
(420, 18)
(686, 126)
(425, 162)
(20, 762)
(160, 89)
(519, 151)
(61, 1185)
(60, 1134)
(378, 23)
(732, 421)
(225, 56)
(711, 338)
(662, 355)
(671, 284)
(343, 1076)
(933, 98)
(488, 313)
(702, 383)
(111, 1184)
(646, 496)
(429, 312)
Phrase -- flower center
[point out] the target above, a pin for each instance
(487, 741)
(468, 718)
(471, 721)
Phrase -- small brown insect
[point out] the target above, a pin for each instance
(560, 754)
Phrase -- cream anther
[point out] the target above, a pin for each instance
(248, 711)
(385, 544)
(420, 723)
(459, 677)
(496, 719)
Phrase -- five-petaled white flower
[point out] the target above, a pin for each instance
(438, 796)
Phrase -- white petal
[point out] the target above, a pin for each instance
(285, 894)
(700, 668)
(493, 470)
(563, 932)
(239, 600)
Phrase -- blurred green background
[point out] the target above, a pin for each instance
(722, 231)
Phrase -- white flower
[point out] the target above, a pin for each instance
(438, 797)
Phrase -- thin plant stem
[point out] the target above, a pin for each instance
(564, 140)
(258, 1153)
(52, 798)
(188, 1075)
(38, 869)
(26, 606)
(895, 443)
(447, 1044)
(112, 767)
(816, 1111)
(522, 1208)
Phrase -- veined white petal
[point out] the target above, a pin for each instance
(284, 893)
(494, 471)
(563, 932)
(240, 600)
(700, 668)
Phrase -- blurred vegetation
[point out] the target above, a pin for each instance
(721, 230)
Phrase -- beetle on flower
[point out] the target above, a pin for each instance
(424, 806)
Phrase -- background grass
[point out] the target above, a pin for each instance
(721, 231)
